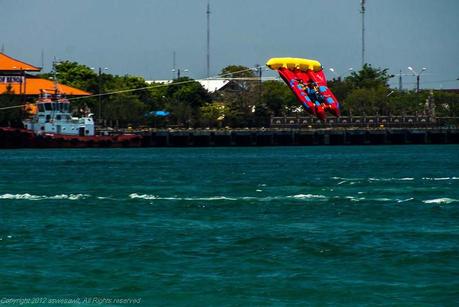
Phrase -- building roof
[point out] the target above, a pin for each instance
(7, 63)
(213, 85)
(33, 86)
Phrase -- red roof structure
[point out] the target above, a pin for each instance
(34, 86)
(7, 63)
(13, 79)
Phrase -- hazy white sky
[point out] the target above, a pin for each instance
(138, 37)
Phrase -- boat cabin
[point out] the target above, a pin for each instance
(53, 117)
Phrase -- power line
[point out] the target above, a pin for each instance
(158, 85)
(147, 87)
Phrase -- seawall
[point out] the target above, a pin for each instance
(19, 138)
(298, 137)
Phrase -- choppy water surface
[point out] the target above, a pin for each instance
(229, 226)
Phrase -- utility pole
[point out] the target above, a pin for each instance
(100, 95)
(259, 70)
(100, 92)
(208, 39)
(362, 11)
(400, 87)
(173, 63)
(417, 75)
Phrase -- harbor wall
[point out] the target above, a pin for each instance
(197, 138)
(17, 138)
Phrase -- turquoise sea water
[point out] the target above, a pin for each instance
(231, 226)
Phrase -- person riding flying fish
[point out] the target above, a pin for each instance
(314, 94)
(308, 83)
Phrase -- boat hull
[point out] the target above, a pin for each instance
(22, 138)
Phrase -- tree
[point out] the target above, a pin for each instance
(212, 114)
(364, 92)
(242, 97)
(278, 98)
(184, 98)
(237, 71)
(340, 88)
(369, 77)
(401, 103)
(11, 116)
(367, 101)
(124, 109)
(75, 75)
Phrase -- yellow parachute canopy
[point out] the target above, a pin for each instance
(294, 63)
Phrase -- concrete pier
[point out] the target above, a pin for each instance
(19, 138)
(298, 137)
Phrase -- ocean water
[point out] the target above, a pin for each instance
(231, 226)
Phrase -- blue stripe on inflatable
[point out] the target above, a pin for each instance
(330, 100)
(322, 88)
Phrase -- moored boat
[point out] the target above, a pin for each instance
(51, 125)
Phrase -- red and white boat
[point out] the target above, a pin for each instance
(51, 125)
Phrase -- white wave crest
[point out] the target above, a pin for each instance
(306, 196)
(391, 179)
(142, 196)
(440, 178)
(405, 200)
(155, 197)
(27, 196)
(444, 200)
(217, 198)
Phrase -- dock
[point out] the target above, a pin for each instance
(298, 137)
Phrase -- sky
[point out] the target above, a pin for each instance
(139, 37)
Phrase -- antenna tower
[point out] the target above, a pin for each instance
(362, 11)
(208, 39)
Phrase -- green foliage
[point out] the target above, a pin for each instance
(126, 109)
(367, 101)
(187, 90)
(402, 103)
(246, 101)
(278, 98)
(158, 95)
(446, 104)
(75, 75)
(243, 97)
(340, 88)
(237, 71)
(212, 114)
(183, 98)
(181, 113)
(13, 116)
(369, 77)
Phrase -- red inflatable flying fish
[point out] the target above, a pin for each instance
(307, 81)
